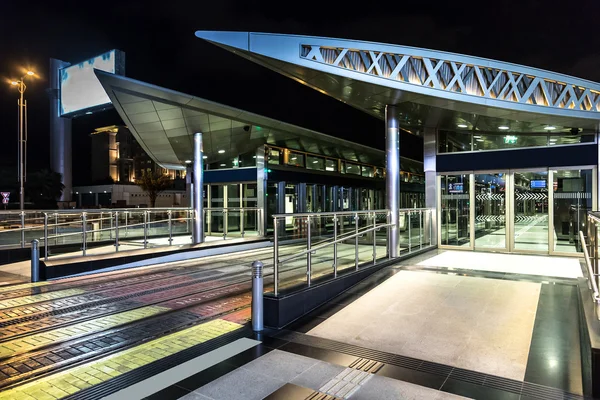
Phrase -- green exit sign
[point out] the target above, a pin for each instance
(510, 139)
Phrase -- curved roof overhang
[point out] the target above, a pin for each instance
(164, 121)
(370, 76)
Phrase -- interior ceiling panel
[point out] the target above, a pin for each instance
(223, 127)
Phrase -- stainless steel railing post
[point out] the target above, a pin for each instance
(374, 239)
(309, 254)
(430, 218)
(55, 229)
(409, 233)
(145, 229)
(356, 241)
(117, 229)
(22, 229)
(84, 232)
(257, 296)
(225, 224)
(275, 258)
(242, 221)
(170, 228)
(335, 245)
(35, 261)
(387, 241)
(46, 244)
(421, 229)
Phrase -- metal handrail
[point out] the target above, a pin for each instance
(339, 240)
(592, 276)
(332, 213)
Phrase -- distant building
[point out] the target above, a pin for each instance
(117, 161)
(117, 157)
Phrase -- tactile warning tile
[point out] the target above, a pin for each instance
(36, 298)
(23, 286)
(31, 342)
(346, 383)
(65, 383)
(364, 364)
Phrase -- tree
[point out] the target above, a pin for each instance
(43, 188)
(153, 183)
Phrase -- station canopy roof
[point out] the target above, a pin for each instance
(164, 121)
(430, 88)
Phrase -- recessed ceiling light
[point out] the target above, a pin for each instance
(553, 140)
(462, 126)
(204, 157)
(549, 128)
(503, 127)
(294, 158)
(253, 156)
(477, 136)
(188, 161)
(221, 151)
(223, 165)
(479, 140)
(314, 162)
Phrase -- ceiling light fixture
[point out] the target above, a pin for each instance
(223, 165)
(204, 157)
(462, 126)
(314, 162)
(188, 161)
(550, 128)
(479, 140)
(503, 127)
(221, 151)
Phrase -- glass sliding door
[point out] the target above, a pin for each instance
(455, 227)
(530, 211)
(490, 210)
(572, 200)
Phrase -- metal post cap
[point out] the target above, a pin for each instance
(257, 268)
(35, 241)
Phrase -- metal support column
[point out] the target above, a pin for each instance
(392, 177)
(198, 180)
(257, 296)
(309, 254)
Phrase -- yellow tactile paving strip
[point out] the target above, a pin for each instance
(36, 298)
(20, 286)
(65, 383)
(32, 342)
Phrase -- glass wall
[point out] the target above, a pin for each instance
(455, 210)
(490, 210)
(572, 200)
(462, 141)
(530, 197)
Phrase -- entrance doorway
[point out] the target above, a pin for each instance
(524, 211)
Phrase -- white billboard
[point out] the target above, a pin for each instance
(80, 90)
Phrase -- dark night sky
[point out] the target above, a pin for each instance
(160, 46)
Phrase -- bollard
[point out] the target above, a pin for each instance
(257, 296)
(35, 261)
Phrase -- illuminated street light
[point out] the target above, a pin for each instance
(22, 166)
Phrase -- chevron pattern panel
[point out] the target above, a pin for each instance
(464, 78)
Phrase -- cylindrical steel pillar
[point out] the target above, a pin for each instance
(198, 182)
(60, 133)
(35, 261)
(257, 296)
(392, 177)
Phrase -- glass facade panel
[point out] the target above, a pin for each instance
(571, 139)
(274, 156)
(455, 211)
(247, 159)
(572, 201)
(490, 210)
(352, 168)
(317, 163)
(296, 159)
(368, 171)
(451, 142)
(531, 211)
(331, 165)
(508, 141)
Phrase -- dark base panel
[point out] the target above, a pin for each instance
(590, 341)
(282, 310)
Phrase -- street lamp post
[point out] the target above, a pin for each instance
(22, 166)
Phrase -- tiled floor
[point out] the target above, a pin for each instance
(562, 267)
(473, 323)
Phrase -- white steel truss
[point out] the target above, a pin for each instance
(458, 77)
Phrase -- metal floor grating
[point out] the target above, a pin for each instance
(478, 378)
